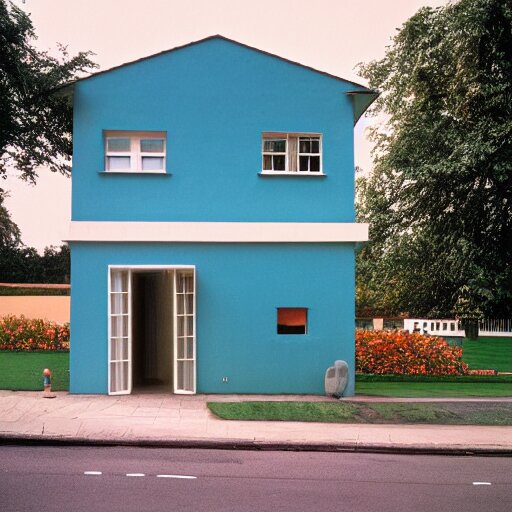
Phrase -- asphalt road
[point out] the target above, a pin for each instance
(91, 479)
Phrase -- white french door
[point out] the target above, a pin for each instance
(119, 343)
(120, 329)
(184, 332)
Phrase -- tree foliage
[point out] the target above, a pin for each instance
(35, 123)
(9, 231)
(21, 264)
(439, 199)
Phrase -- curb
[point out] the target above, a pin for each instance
(241, 444)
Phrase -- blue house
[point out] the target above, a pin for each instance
(212, 235)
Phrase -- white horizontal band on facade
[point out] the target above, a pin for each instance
(222, 232)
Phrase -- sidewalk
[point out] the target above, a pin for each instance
(185, 421)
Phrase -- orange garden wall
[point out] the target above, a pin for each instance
(55, 308)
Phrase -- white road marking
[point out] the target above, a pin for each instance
(135, 474)
(93, 473)
(482, 483)
(177, 476)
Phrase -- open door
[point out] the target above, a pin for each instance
(184, 332)
(119, 333)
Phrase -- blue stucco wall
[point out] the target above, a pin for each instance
(214, 100)
(239, 288)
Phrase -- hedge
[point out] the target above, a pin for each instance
(404, 353)
(20, 334)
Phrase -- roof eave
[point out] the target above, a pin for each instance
(361, 100)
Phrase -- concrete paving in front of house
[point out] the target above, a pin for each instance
(185, 421)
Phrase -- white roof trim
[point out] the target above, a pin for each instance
(224, 232)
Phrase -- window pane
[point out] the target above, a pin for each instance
(274, 146)
(117, 163)
(118, 144)
(152, 145)
(304, 163)
(314, 163)
(315, 145)
(152, 163)
(267, 162)
(304, 145)
(279, 162)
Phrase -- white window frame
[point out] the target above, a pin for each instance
(286, 137)
(135, 154)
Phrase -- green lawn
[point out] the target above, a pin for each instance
(23, 370)
(488, 354)
(447, 413)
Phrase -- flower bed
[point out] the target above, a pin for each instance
(403, 353)
(483, 372)
(20, 334)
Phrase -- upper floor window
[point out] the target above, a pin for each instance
(135, 151)
(284, 153)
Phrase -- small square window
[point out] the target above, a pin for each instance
(292, 320)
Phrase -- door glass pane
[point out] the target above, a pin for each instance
(185, 375)
(181, 348)
(119, 303)
(180, 377)
(189, 325)
(119, 281)
(190, 303)
(118, 349)
(190, 348)
(181, 326)
(118, 376)
(188, 368)
(119, 326)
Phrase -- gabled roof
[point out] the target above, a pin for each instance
(360, 103)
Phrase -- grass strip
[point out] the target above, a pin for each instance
(22, 371)
(446, 413)
(434, 389)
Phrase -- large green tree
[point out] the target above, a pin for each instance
(35, 123)
(439, 199)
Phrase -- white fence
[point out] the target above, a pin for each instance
(436, 327)
(495, 327)
(451, 327)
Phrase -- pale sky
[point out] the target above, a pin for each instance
(329, 35)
